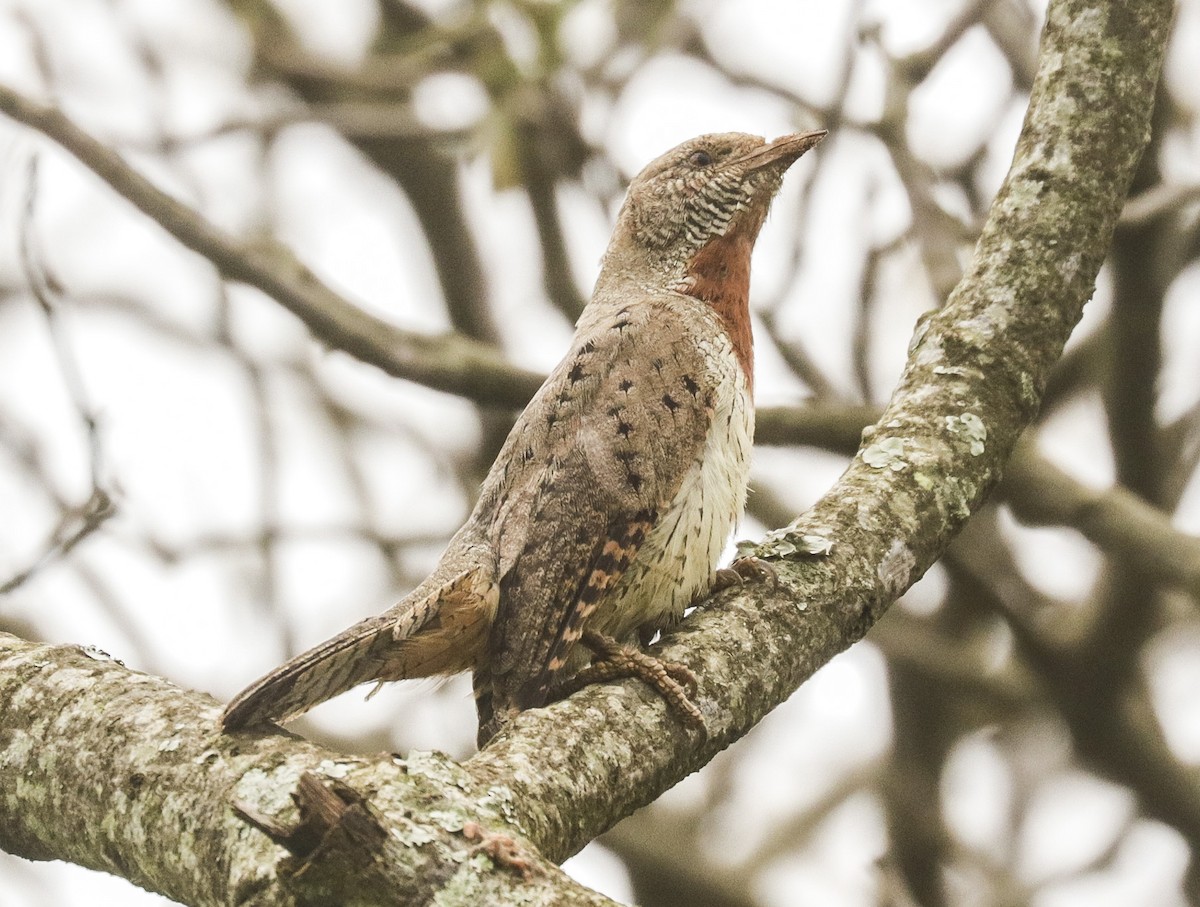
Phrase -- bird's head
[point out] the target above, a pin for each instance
(710, 188)
(690, 220)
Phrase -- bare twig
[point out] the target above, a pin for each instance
(450, 362)
(74, 526)
(76, 523)
(1039, 491)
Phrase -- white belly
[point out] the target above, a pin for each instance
(677, 560)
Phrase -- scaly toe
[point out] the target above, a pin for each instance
(683, 676)
(755, 568)
(674, 682)
(744, 569)
(725, 578)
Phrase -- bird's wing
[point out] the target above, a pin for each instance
(607, 446)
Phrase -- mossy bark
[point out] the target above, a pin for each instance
(123, 772)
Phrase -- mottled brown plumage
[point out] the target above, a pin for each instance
(610, 502)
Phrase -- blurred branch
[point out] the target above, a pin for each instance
(1012, 25)
(864, 317)
(952, 664)
(389, 545)
(76, 523)
(406, 50)
(972, 384)
(833, 426)
(1080, 368)
(412, 47)
(1116, 520)
(450, 362)
(409, 46)
(391, 120)
(797, 358)
(539, 176)
(1158, 201)
(1113, 725)
(792, 351)
(986, 353)
(266, 595)
(938, 233)
(919, 65)
(662, 852)
(1181, 449)
(663, 848)
(1142, 272)
(46, 291)
(74, 526)
(925, 730)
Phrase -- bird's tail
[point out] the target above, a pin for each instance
(389, 646)
(354, 656)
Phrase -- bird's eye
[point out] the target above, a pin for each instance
(700, 159)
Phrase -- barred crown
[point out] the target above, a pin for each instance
(703, 189)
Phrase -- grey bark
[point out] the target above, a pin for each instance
(123, 772)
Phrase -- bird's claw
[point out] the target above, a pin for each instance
(612, 660)
(744, 569)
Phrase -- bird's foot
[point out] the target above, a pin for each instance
(612, 660)
(744, 569)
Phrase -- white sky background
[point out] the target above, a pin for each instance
(181, 438)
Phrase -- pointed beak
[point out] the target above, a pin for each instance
(783, 152)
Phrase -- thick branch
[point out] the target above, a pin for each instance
(1117, 520)
(126, 773)
(564, 774)
(973, 383)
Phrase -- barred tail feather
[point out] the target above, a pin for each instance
(355, 656)
(439, 628)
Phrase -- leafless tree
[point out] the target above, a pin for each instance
(249, 412)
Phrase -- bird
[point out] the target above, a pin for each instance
(607, 509)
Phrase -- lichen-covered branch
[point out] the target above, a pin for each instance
(973, 383)
(126, 773)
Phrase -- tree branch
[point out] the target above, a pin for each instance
(559, 776)
(972, 384)
(451, 362)
(126, 773)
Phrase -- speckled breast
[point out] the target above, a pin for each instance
(679, 556)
